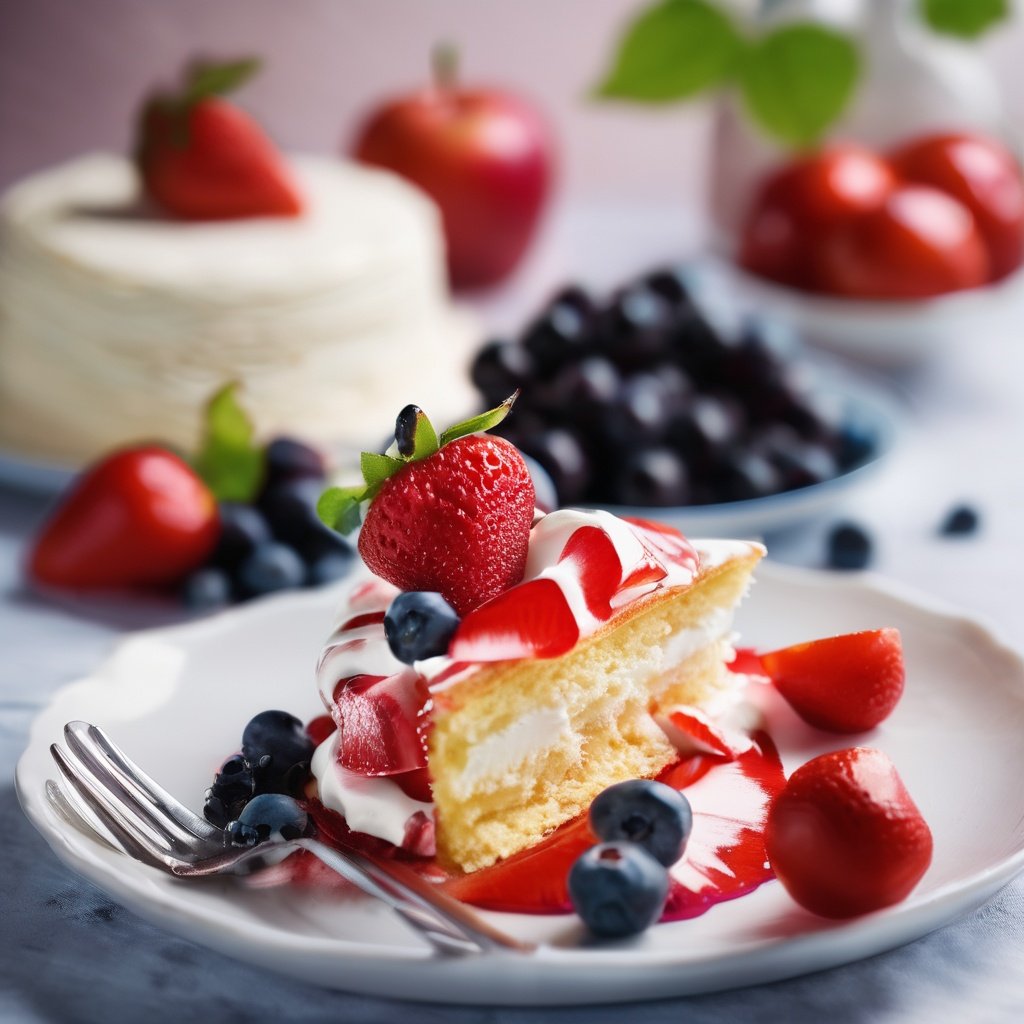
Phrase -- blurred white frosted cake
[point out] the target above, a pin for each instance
(117, 324)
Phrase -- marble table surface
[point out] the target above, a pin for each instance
(68, 953)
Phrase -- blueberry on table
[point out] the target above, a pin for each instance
(289, 459)
(849, 547)
(419, 624)
(206, 589)
(290, 509)
(276, 744)
(328, 568)
(271, 567)
(242, 530)
(268, 816)
(618, 889)
(960, 521)
(233, 787)
(643, 811)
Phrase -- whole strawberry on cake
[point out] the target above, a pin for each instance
(502, 668)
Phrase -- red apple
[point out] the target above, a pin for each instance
(921, 242)
(802, 201)
(484, 156)
(984, 175)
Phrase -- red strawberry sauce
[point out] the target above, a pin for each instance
(725, 857)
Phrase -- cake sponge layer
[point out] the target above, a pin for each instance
(519, 748)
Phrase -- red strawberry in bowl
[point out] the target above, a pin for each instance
(203, 158)
(449, 514)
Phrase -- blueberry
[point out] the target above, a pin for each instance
(849, 547)
(742, 474)
(242, 530)
(233, 787)
(419, 624)
(271, 567)
(618, 889)
(642, 811)
(653, 476)
(405, 429)
(326, 543)
(289, 459)
(585, 388)
(290, 509)
(636, 328)
(501, 367)
(802, 464)
(279, 748)
(578, 297)
(676, 285)
(563, 459)
(706, 427)
(960, 521)
(764, 349)
(328, 568)
(641, 412)
(854, 442)
(702, 351)
(268, 816)
(559, 336)
(206, 588)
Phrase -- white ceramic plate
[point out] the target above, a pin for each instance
(889, 334)
(177, 698)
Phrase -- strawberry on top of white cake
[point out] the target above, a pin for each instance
(521, 666)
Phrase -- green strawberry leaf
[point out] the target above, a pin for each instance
(967, 19)
(229, 461)
(485, 421)
(207, 79)
(798, 79)
(673, 50)
(339, 507)
(378, 468)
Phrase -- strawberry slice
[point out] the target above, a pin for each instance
(202, 158)
(140, 517)
(842, 684)
(378, 717)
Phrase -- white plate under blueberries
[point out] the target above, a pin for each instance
(176, 700)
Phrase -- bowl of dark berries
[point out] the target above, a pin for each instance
(650, 402)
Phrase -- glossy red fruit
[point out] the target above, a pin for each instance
(843, 684)
(457, 522)
(984, 175)
(805, 200)
(844, 837)
(140, 517)
(482, 155)
(378, 718)
(226, 168)
(920, 243)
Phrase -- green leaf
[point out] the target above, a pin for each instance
(798, 79)
(229, 460)
(425, 441)
(378, 468)
(485, 421)
(967, 19)
(208, 79)
(673, 50)
(339, 507)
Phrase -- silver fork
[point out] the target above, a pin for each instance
(108, 789)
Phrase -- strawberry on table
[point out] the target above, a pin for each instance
(140, 517)
(843, 684)
(203, 158)
(449, 514)
(844, 836)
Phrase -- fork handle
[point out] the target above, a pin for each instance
(448, 929)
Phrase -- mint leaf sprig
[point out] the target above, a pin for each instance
(795, 79)
(340, 508)
(966, 19)
(229, 460)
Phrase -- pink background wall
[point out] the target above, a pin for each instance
(72, 73)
